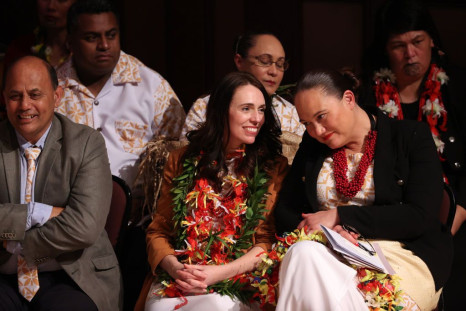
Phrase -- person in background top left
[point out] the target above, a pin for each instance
(112, 91)
(48, 41)
(53, 206)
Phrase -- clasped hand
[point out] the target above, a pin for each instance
(330, 219)
(194, 279)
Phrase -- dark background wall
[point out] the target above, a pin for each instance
(190, 41)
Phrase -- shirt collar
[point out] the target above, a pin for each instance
(277, 100)
(24, 144)
(125, 71)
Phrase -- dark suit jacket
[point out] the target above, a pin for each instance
(454, 138)
(73, 172)
(408, 193)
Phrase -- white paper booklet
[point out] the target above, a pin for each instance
(356, 255)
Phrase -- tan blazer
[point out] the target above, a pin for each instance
(160, 233)
(73, 172)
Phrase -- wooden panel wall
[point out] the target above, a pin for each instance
(332, 34)
(190, 42)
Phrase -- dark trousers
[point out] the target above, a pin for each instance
(57, 292)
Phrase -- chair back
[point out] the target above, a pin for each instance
(120, 208)
(448, 208)
(150, 173)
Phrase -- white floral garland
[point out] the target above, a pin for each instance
(388, 99)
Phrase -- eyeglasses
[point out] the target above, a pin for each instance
(351, 229)
(266, 60)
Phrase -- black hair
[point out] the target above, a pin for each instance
(209, 140)
(397, 17)
(88, 7)
(400, 16)
(50, 70)
(331, 82)
(246, 41)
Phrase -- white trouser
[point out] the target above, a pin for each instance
(312, 278)
(208, 302)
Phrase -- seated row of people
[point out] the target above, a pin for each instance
(206, 211)
(104, 87)
(230, 132)
(97, 77)
(206, 215)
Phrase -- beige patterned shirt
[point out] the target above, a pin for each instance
(327, 194)
(134, 105)
(286, 113)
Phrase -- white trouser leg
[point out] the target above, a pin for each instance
(312, 278)
(210, 302)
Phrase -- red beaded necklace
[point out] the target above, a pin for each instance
(340, 167)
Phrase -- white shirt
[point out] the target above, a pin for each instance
(134, 105)
(285, 111)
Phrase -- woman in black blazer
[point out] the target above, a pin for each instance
(395, 197)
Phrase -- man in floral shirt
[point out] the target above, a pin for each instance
(112, 91)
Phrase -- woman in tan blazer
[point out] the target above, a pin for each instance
(211, 223)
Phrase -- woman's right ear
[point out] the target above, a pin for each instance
(238, 61)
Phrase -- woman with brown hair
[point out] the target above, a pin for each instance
(211, 222)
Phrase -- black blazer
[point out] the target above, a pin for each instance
(408, 193)
(454, 154)
(454, 138)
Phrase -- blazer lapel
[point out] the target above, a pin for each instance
(47, 159)
(384, 160)
(313, 167)
(11, 165)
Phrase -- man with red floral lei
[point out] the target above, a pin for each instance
(409, 79)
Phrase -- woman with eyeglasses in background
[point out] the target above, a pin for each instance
(359, 172)
(262, 55)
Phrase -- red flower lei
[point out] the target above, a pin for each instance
(340, 167)
(216, 228)
(212, 213)
(380, 291)
(430, 101)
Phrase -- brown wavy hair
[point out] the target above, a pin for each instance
(208, 141)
